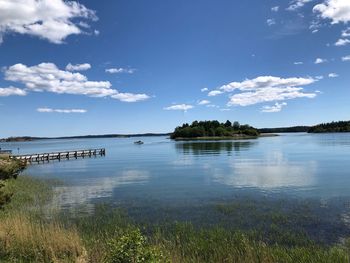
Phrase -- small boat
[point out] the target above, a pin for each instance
(138, 142)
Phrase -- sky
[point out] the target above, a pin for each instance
(130, 66)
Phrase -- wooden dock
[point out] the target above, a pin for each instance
(46, 157)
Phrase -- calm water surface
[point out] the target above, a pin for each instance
(296, 165)
(185, 180)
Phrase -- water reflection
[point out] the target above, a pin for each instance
(213, 147)
(87, 190)
(274, 171)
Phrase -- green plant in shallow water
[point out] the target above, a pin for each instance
(132, 247)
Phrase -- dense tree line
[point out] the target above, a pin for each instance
(285, 129)
(213, 129)
(339, 126)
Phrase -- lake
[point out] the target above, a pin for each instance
(185, 180)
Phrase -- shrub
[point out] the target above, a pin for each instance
(9, 168)
(132, 247)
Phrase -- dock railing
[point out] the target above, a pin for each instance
(42, 157)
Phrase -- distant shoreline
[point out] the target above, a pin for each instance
(28, 138)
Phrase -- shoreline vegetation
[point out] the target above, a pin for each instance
(332, 127)
(31, 232)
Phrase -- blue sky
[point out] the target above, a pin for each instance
(98, 67)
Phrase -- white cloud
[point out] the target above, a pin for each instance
(333, 75)
(225, 109)
(10, 91)
(270, 22)
(266, 82)
(267, 95)
(342, 42)
(120, 70)
(212, 106)
(296, 4)
(49, 110)
(275, 108)
(298, 63)
(47, 77)
(78, 67)
(130, 97)
(266, 89)
(203, 102)
(346, 58)
(182, 107)
(204, 89)
(335, 10)
(275, 8)
(320, 61)
(214, 93)
(346, 32)
(53, 20)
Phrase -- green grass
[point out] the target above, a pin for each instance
(30, 232)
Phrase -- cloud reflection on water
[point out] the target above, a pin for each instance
(275, 171)
(90, 189)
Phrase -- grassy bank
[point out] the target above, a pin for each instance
(31, 231)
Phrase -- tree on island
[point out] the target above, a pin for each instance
(213, 129)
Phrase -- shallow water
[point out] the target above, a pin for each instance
(161, 176)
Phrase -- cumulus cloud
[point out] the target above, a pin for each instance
(268, 94)
(296, 4)
(335, 10)
(49, 110)
(342, 42)
(204, 89)
(53, 20)
(346, 58)
(130, 97)
(120, 70)
(320, 61)
(298, 63)
(78, 67)
(275, 108)
(214, 93)
(275, 8)
(333, 75)
(11, 91)
(47, 77)
(266, 82)
(266, 89)
(270, 22)
(182, 107)
(346, 32)
(203, 102)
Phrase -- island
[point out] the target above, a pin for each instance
(339, 126)
(203, 130)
